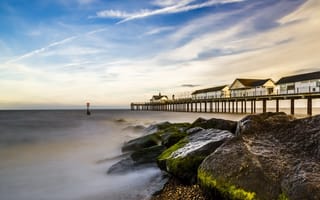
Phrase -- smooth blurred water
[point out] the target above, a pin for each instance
(53, 155)
(64, 155)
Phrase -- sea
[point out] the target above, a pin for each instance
(65, 154)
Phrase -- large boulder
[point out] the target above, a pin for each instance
(142, 142)
(183, 159)
(144, 151)
(137, 160)
(166, 134)
(273, 157)
(214, 123)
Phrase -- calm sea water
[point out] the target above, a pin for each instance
(63, 155)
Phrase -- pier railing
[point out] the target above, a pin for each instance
(227, 104)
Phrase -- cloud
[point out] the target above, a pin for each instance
(43, 49)
(165, 3)
(209, 51)
(118, 14)
(189, 85)
(174, 7)
(159, 30)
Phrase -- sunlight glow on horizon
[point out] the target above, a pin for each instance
(112, 53)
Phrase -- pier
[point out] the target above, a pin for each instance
(236, 105)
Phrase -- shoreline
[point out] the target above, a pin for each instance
(175, 189)
(223, 159)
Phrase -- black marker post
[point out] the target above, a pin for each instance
(88, 111)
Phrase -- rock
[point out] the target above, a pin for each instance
(254, 124)
(172, 134)
(142, 142)
(136, 129)
(147, 155)
(273, 157)
(194, 130)
(214, 123)
(182, 159)
(166, 134)
(127, 165)
(156, 127)
(147, 148)
(137, 160)
(163, 125)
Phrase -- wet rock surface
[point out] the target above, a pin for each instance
(264, 156)
(142, 142)
(183, 159)
(273, 157)
(215, 124)
(143, 151)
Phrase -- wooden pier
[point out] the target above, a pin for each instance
(227, 105)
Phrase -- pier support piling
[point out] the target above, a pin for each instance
(309, 106)
(264, 105)
(292, 107)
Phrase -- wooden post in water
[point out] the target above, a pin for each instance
(232, 106)
(245, 106)
(309, 106)
(277, 105)
(222, 107)
(236, 106)
(215, 106)
(205, 106)
(211, 106)
(88, 109)
(264, 105)
(292, 107)
(241, 106)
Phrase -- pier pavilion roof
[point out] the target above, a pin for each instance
(299, 77)
(212, 89)
(158, 97)
(249, 83)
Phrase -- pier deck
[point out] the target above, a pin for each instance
(227, 105)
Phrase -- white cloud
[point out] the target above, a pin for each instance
(159, 30)
(118, 14)
(165, 3)
(122, 79)
(174, 7)
(43, 49)
(277, 52)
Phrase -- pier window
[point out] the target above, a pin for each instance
(290, 87)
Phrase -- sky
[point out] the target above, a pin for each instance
(64, 53)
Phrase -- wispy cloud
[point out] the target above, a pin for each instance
(165, 3)
(159, 30)
(173, 7)
(189, 85)
(43, 49)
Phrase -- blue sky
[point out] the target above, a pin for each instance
(59, 53)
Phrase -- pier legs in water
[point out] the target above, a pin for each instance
(219, 106)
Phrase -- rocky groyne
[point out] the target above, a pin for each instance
(265, 156)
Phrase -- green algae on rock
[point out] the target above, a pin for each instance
(274, 156)
(183, 159)
(216, 188)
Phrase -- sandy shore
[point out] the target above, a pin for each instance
(175, 190)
